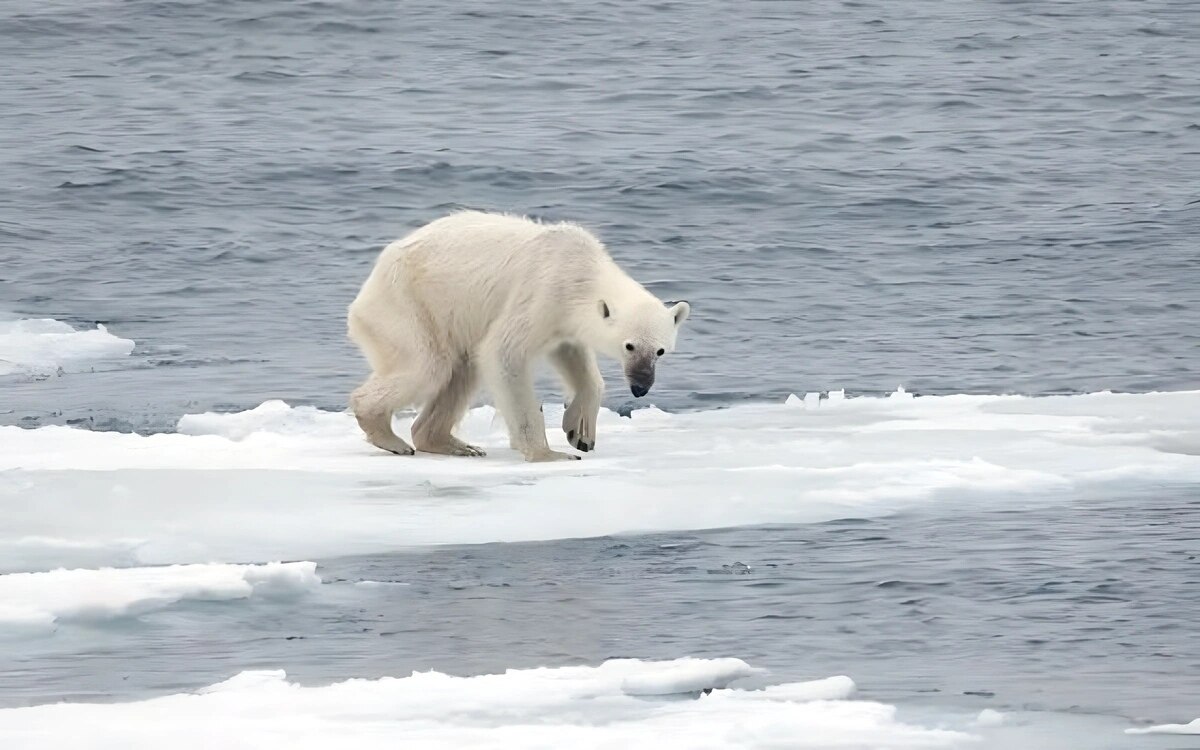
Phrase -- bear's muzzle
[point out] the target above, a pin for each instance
(640, 375)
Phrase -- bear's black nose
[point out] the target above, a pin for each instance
(639, 390)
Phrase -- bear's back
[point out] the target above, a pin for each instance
(507, 244)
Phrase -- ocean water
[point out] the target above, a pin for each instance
(966, 197)
(969, 610)
(960, 198)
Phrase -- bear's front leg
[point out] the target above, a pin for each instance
(508, 376)
(581, 376)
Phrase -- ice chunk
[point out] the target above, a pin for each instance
(30, 601)
(270, 417)
(687, 676)
(829, 689)
(45, 346)
(577, 707)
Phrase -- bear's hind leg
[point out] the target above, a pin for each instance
(373, 404)
(431, 431)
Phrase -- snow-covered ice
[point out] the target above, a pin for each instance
(35, 601)
(281, 482)
(44, 347)
(578, 707)
(295, 483)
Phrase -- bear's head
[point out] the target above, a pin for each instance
(638, 333)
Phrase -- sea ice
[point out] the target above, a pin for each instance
(35, 601)
(577, 707)
(293, 483)
(45, 346)
(686, 676)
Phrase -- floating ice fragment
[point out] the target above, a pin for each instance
(29, 600)
(45, 347)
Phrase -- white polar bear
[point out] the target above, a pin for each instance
(482, 296)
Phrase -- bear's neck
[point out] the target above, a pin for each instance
(615, 285)
(622, 294)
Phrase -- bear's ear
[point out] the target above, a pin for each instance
(680, 310)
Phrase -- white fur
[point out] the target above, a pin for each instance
(480, 297)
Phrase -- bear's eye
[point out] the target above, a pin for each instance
(629, 347)
(662, 352)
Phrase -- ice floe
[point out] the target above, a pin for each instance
(577, 707)
(35, 601)
(281, 482)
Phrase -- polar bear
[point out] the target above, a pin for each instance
(480, 296)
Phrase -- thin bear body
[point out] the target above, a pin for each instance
(477, 299)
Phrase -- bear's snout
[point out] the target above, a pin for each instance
(640, 375)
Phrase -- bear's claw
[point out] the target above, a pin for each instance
(577, 439)
(579, 444)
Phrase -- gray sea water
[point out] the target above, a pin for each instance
(1088, 608)
(982, 197)
(961, 197)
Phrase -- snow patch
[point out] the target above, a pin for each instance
(577, 707)
(35, 601)
(45, 347)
